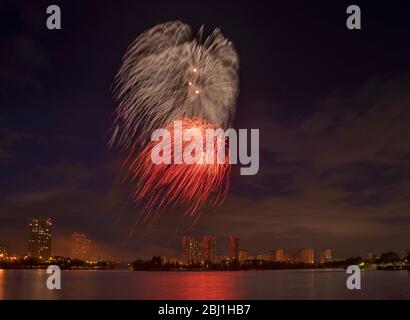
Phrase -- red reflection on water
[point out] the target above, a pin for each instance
(211, 285)
(196, 286)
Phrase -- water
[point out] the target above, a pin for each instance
(271, 284)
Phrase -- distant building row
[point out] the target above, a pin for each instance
(201, 251)
(196, 251)
(39, 241)
(306, 256)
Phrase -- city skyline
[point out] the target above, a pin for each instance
(39, 240)
(195, 253)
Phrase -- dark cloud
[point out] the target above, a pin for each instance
(7, 140)
(399, 221)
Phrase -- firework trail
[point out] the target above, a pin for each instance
(167, 74)
(170, 185)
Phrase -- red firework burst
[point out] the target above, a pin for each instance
(173, 184)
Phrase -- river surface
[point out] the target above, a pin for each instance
(270, 284)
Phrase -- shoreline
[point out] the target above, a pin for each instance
(334, 269)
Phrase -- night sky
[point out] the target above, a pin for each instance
(332, 106)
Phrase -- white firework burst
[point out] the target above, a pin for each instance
(166, 75)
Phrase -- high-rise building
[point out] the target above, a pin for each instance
(209, 249)
(191, 250)
(279, 255)
(198, 250)
(39, 238)
(243, 255)
(325, 255)
(307, 256)
(81, 247)
(233, 248)
(186, 249)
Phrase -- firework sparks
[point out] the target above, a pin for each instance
(169, 185)
(166, 75)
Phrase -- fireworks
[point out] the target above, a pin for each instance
(168, 75)
(169, 184)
